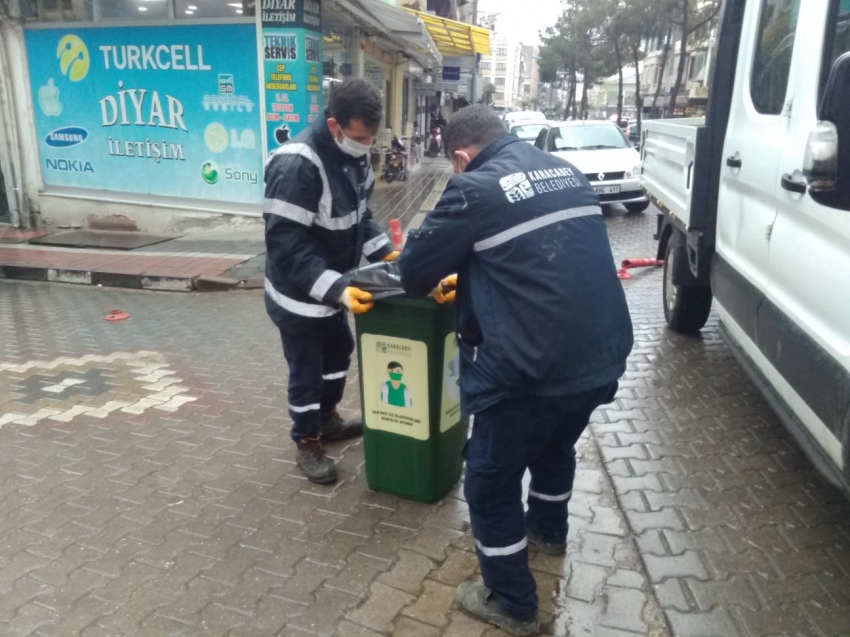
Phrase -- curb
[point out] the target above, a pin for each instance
(121, 280)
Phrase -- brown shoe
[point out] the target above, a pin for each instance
(335, 427)
(314, 462)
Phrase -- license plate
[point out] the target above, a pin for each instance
(606, 190)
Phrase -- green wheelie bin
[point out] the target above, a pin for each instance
(410, 398)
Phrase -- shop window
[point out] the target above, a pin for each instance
(194, 9)
(53, 10)
(131, 10)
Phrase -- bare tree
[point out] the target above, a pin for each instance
(695, 14)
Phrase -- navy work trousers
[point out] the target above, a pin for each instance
(319, 356)
(537, 433)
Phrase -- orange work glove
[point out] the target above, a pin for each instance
(392, 256)
(356, 300)
(446, 291)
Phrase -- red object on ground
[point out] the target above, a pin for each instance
(116, 315)
(640, 263)
(627, 264)
(395, 234)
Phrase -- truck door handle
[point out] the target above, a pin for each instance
(733, 162)
(792, 185)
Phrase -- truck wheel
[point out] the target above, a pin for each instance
(637, 207)
(686, 307)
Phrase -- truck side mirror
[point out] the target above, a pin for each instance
(827, 159)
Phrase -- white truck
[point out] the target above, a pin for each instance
(755, 212)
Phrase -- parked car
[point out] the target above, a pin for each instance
(518, 117)
(601, 151)
(755, 214)
(527, 131)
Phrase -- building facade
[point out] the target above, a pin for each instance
(158, 115)
(693, 93)
(531, 74)
(503, 69)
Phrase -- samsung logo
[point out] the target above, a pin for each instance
(66, 137)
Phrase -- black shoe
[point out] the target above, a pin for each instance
(549, 548)
(334, 427)
(314, 462)
(477, 600)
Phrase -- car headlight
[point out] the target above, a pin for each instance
(634, 172)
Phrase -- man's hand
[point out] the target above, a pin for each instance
(356, 300)
(446, 291)
(392, 256)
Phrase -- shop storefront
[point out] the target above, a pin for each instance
(155, 114)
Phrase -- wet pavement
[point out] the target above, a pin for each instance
(147, 487)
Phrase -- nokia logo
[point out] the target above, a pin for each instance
(69, 166)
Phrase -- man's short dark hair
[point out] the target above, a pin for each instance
(474, 126)
(356, 99)
(394, 365)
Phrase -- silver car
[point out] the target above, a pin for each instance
(604, 154)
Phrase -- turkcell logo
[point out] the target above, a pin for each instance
(69, 166)
(73, 57)
(66, 137)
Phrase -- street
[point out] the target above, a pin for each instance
(148, 487)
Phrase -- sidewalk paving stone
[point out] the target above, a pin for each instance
(693, 511)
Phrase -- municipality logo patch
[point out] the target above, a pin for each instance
(66, 137)
(517, 187)
(73, 57)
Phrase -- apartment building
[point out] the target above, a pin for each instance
(503, 68)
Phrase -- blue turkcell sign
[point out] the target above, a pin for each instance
(147, 109)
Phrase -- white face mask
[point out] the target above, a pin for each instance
(351, 147)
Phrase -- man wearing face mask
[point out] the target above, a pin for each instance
(319, 226)
(543, 331)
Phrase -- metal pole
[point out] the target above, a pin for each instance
(473, 88)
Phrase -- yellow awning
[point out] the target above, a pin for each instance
(455, 38)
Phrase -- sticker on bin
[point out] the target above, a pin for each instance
(395, 385)
(450, 406)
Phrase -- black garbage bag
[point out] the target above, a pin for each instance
(381, 280)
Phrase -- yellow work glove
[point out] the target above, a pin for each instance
(392, 256)
(446, 291)
(356, 300)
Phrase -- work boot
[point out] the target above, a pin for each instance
(549, 548)
(335, 427)
(314, 462)
(477, 600)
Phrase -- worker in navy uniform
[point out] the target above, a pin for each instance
(319, 226)
(543, 330)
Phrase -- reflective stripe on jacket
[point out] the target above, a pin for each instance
(318, 225)
(540, 310)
